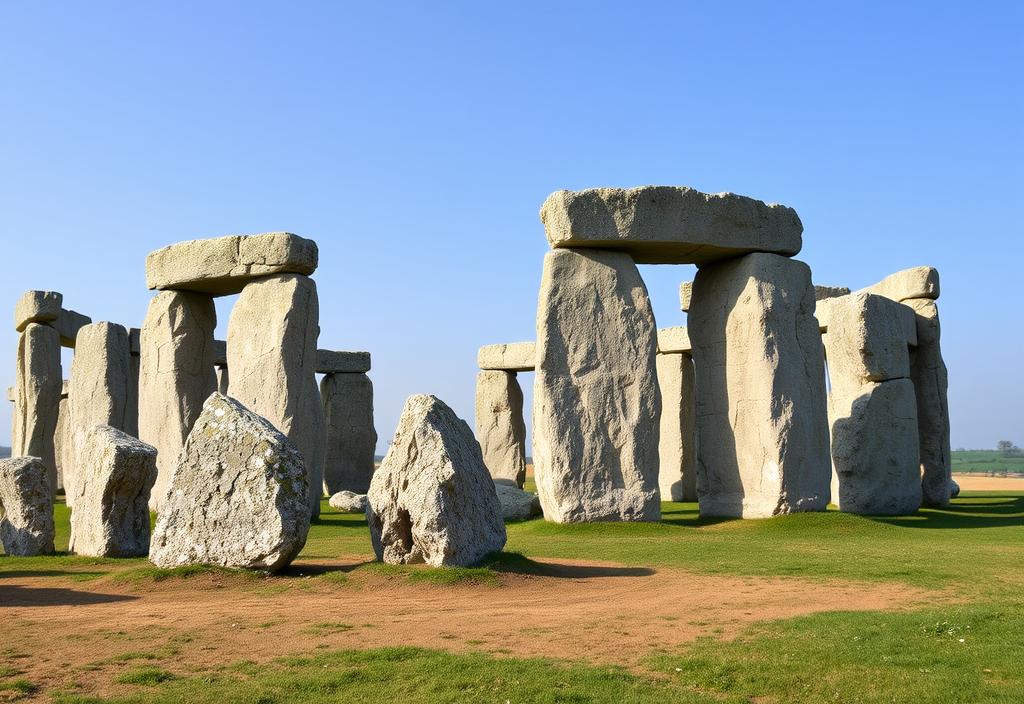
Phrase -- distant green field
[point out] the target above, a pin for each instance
(986, 462)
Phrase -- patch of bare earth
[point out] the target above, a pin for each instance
(975, 482)
(65, 634)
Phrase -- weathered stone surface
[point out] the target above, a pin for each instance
(825, 292)
(674, 340)
(432, 500)
(824, 308)
(61, 443)
(272, 336)
(500, 426)
(97, 392)
(26, 507)
(39, 383)
(37, 307)
(761, 424)
(875, 449)
(866, 341)
(669, 224)
(918, 282)
(111, 514)
(335, 362)
(348, 501)
(677, 476)
(224, 265)
(516, 504)
(512, 357)
(685, 295)
(351, 437)
(595, 400)
(238, 497)
(176, 375)
(954, 489)
(931, 383)
(223, 380)
(68, 324)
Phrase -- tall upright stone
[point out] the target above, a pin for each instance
(97, 391)
(596, 403)
(272, 355)
(500, 426)
(677, 476)
(176, 375)
(60, 436)
(761, 424)
(931, 384)
(26, 507)
(39, 382)
(351, 437)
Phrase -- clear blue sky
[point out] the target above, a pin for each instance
(415, 143)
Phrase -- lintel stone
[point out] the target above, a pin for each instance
(674, 340)
(37, 307)
(685, 295)
(918, 282)
(512, 357)
(335, 362)
(68, 324)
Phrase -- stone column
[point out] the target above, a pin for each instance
(38, 393)
(176, 376)
(677, 476)
(60, 435)
(596, 407)
(97, 392)
(872, 406)
(351, 438)
(931, 384)
(761, 423)
(272, 355)
(500, 427)
(131, 422)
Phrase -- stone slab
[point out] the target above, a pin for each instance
(677, 475)
(674, 340)
(37, 307)
(670, 224)
(338, 362)
(511, 357)
(685, 295)
(68, 325)
(917, 282)
(224, 265)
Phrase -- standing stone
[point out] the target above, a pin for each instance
(39, 382)
(272, 335)
(60, 436)
(351, 437)
(176, 375)
(677, 476)
(432, 499)
(26, 507)
(97, 392)
(596, 405)
(500, 426)
(111, 506)
(931, 383)
(238, 496)
(762, 432)
(131, 414)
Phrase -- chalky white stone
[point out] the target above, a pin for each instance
(500, 426)
(26, 507)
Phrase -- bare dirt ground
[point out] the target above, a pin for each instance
(601, 613)
(975, 482)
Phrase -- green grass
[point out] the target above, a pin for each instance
(147, 676)
(986, 462)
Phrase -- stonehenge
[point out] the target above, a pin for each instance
(26, 507)
(347, 396)
(37, 393)
(500, 427)
(238, 496)
(432, 499)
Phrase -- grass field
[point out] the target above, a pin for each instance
(960, 640)
(986, 462)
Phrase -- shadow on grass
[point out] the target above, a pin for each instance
(978, 511)
(14, 595)
(515, 563)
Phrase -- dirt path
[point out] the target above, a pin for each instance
(976, 482)
(599, 613)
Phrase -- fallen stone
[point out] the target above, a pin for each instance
(685, 295)
(68, 324)
(954, 489)
(761, 423)
(26, 507)
(595, 400)
(272, 336)
(351, 437)
(37, 307)
(176, 375)
(513, 357)
(332, 362)
(669, 224)
(111, 505)
(677, 475)
(866, 341)
(918, 282)
(224, 265)
(432, 500)
(931, 384)
(98, 392)
(238, 497)
(516, 504)
(674, 340)
(348, 501)
(500, 426)
(39, 383)
(875, 449)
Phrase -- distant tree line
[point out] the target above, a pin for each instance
(1009, 449)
